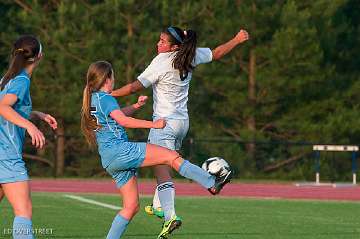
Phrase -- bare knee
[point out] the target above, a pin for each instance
(173, 157)
(24, 209)
(130, 210)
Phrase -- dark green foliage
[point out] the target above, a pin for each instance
(307, 73)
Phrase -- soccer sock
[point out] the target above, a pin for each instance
(191, 171)
(156, 200)
(167, 199)
(118, 227)
(22, 228)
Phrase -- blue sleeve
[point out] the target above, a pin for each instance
(108, 104)
(18, 86)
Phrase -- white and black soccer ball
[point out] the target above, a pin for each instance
(216, 166)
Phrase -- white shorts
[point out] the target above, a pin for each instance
(171, 136)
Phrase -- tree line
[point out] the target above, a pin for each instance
(296, 80)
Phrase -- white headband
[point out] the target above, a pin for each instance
(40, 51)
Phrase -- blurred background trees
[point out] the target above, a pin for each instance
(295, 82)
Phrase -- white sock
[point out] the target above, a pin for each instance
(156, 200)
(167, 199)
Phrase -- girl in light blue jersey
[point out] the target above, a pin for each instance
(15, 111)
(169, 74)
(103, 123)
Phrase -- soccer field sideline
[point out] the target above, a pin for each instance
(251, 190)
(93, 202)
(229, 217)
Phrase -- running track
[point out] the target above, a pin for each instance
(285, 191)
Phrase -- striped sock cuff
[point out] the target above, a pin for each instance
(165, 186)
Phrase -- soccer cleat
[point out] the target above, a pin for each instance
(220, 182)
(150, 210)
(169, 226)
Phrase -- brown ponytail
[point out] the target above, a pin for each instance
(24, 53)
(96, 76)
(88, 122)
(187, 48)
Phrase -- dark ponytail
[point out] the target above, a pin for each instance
(25, 51)
(187, 48)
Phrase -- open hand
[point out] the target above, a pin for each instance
(37, 137)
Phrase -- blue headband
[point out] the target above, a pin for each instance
(172, 31)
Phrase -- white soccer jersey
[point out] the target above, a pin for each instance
(170, 93)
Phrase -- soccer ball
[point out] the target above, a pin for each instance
(216, 166)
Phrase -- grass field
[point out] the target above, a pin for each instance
(204, 218)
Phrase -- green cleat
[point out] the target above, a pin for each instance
(150, 210)
(169, 227)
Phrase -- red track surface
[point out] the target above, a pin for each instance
(287, 191)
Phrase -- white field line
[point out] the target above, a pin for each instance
(90, 201)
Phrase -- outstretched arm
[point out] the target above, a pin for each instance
(130, 110)
(128, 89)
(225, 48)
(129, 122)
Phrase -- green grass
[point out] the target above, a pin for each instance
(204, 218)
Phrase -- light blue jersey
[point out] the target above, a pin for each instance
(119, 157)
(12, 136)
(111, 133)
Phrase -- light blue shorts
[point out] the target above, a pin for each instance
(129, 157)
(171, 136)
(13, 170)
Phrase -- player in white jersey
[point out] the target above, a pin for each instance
(15, 111)
(169, 74)
(103, 122)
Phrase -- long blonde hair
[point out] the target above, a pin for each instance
(96, 76)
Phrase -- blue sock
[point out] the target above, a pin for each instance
(118, 227)
(191, 171)
(22, 228)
